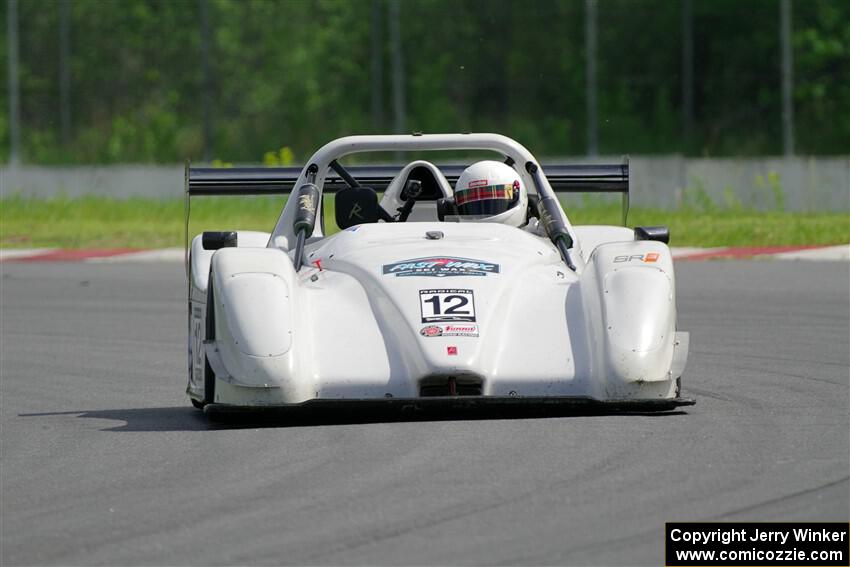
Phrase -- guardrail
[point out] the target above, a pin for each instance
(793, 184)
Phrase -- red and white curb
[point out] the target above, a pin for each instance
(840, 253)
(92, 255)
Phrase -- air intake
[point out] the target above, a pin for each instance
(450, 386)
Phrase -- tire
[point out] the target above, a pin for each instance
(209, 383)
(196, 403)
(209, 375)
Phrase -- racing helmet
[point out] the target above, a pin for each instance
(491, 191)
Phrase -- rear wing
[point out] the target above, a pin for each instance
(281, 180)
(204, 181)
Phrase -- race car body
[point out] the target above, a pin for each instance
(430, 310)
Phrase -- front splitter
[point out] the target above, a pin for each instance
(577, 405)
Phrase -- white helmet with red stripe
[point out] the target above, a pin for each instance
(491, 191)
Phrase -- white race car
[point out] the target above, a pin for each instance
(474, 294)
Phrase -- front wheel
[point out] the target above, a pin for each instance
(209, 387)
(209, 375)
(209, 383)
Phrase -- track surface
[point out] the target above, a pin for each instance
(104, 461)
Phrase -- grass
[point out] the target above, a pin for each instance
(728, 227)
(100, 222)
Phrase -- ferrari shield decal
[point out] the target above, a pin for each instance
(440, 266)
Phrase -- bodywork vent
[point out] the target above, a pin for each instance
(450, 386)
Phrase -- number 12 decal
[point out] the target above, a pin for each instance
(446, 305)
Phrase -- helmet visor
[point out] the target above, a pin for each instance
(487, 200)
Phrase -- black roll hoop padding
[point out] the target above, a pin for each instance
(550, 218)
(305, 219)
(215, 240)
(305, 213)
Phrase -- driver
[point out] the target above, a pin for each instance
(491, 191)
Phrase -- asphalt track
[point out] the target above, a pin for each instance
(105, 463)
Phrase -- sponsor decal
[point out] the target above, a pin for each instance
(446, 305)
(650, 257)
(306, 202)
(450, 330)
(354, 228)
(440, 267)
(451, 350)
(545, 217)
(431, 331)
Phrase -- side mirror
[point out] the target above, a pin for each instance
(356, 205)
(412, 189)
(656, 233)
(216, 240)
